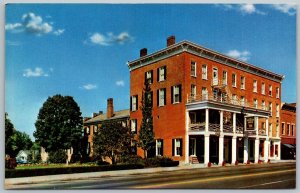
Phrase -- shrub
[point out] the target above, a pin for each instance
(9, 173)
(10, 163)
(59, 156)
(102, 163)
(75, 158)
(152, 162)
(132, 159)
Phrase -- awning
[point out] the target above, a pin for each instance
(289, 146)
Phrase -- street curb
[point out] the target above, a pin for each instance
(60, 177)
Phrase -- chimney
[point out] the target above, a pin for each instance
(143, 52)
(110, 108)
(95, 114)
(170, 40)
(100, 113)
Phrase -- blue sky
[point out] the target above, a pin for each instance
(81, 50)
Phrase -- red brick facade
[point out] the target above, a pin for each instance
(169, 121)
(288, 124)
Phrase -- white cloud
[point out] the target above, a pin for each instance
(120, 83)
(243, 8)
(13, 43)
(241, 55)
(89, 86)
(12, 27)
(289, 9)
(59, 32)
(109, 39)
(33, 24)
(37, 72)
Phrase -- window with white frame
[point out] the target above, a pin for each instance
(277, 130)
(288, 129)
(88, 130)
(204, 93)
(193, 91)
(254, 85)
(277, 110)
(282, 128)
(242, 100)
(292, 131)
(162, 73)
(224, 77)
(243, 80)
(176, 94)
(149, 76)
(204, 72)
(263, 88)
(255, 103)
(277, 92)
(95, 128)
(134, 103)
(233, 80)
(133, 125)
(263, 105)
(159, 147)
(270, 90)
(162, 97)
(193, 68)
(234, 98)
(177, 147)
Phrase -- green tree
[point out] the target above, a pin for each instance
(9, 131)
(59, 124)
(146, 134)
(14, 139)
(112, 140)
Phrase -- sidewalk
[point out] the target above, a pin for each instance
(37, 179)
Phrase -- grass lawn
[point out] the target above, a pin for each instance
(36, 166)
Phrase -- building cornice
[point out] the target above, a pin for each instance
(192, 48)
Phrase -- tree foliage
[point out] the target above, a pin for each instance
(112, 140)
(14, 139)
(59, 123)
(146, 134)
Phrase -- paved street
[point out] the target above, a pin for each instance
(264, 176)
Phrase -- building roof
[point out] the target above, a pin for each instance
(103, 117)
(289, 107)
(186, 46)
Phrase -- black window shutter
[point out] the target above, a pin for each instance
(151, 95)
(151, 76)
(165, 96)
(158, 74)
(172, 98)
(157, 97)
(173, 147)
(145, 77)
(165, 70)
(130, 103)
(179, 93)
(162, 147)
(180, 147)
(137, 103)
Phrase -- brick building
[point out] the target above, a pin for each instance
(288, 130)
(93, 124)
(207, 107)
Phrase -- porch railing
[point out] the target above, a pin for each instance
(214, 127)
(228, 128)
(197, 126)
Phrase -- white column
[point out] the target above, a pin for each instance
(221, 149)
(266, 149)
(267, 127)
(206, 148)
(206, 119)
(246, 150)
(256, 126)
(233, 155)
(279, 150)
(234, 123)
(187, 122)
(256, 150)
(221, 121)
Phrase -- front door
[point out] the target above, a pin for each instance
(193, 146)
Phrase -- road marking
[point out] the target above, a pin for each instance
(209, 180)
(267, 183)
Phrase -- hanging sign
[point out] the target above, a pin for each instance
(250, 123)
